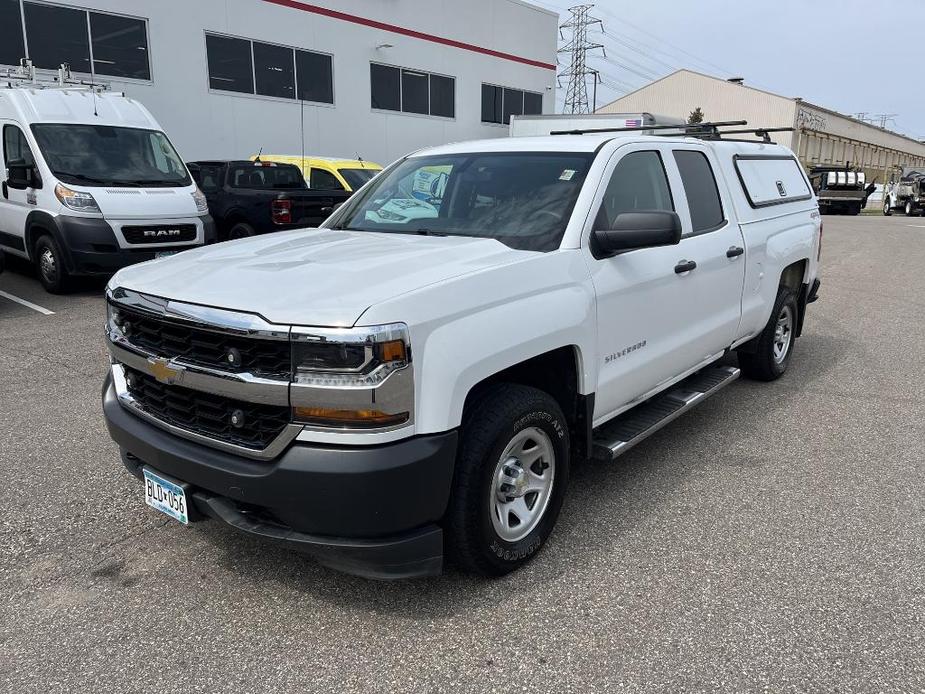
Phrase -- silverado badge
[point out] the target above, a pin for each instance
(163, 371)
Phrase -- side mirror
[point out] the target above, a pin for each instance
(21, 175)
(633, 230)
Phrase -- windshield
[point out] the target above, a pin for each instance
(523, 199)
(263, 175)
(103, 155)
(357, 177)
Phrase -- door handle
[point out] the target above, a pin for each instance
(684, 266)
(734, 252)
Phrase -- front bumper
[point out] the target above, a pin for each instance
(371, 511)
(90, 246)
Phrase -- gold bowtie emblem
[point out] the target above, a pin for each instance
(161, 369)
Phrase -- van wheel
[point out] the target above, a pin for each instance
(512, 471)
(887, 208)
(52, 273)
(770, 354)
(241, 230)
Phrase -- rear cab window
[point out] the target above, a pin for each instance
(700, 189)
(264, 176)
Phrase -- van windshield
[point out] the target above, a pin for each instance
(522, 199)
(104, 155)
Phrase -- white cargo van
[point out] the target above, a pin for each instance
(90, 183)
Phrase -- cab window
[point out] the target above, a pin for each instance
(701, 191)
(638, 183)
(16, 147)
(323, 180)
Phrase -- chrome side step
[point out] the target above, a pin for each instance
(622, 433)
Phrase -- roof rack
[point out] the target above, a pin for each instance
(25, 75)
(706, 131)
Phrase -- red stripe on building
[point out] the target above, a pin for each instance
(395, 29)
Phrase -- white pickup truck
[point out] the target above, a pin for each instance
(388, 389)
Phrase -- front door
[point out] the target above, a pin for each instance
(657, 316)
(15, 202)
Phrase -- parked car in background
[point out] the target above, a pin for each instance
(247, 197)
(328, 173)
(90, 183)
(390, 388)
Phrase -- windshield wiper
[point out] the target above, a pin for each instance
(82, 177)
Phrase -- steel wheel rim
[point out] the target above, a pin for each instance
(47, 265)
(783, 334)
(522, 483)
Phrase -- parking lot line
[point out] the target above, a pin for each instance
(28, 304)
(920, 226)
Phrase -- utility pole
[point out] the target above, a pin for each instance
(576, 94)
(885, 118)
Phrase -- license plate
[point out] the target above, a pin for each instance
(164, 254)
(166, 496)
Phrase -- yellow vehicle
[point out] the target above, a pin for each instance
(329, 173)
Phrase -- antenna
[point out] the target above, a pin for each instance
(259, 152)
(576, 95)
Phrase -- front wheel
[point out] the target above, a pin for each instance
(887, 208)
(52, 273)
(771, 350)
(910, 208)
(512, 471)
(241, 230)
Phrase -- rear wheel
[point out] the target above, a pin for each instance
(511, 474)
(241, 230)
(910, 208)
(771, 350)
(50, 264)
(887, 208)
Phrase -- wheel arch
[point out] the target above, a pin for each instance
(39, 224)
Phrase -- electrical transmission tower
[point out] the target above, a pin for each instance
(576, 93)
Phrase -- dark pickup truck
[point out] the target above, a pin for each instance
(254, 197)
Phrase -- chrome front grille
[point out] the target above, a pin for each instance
(235, 422)
(180, 340)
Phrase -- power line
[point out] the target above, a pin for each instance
(576, 95)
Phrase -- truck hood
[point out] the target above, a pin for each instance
(313, 277)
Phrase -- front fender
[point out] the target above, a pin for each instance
(471, 327)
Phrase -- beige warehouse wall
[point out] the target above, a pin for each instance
(681, 92)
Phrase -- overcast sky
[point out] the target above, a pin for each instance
(848, 55)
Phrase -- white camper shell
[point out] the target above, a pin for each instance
(90, 183)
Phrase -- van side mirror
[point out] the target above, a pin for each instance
(21, 175)
(632, 230)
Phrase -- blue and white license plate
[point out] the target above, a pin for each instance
(166, 496)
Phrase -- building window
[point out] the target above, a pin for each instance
(12, 47)
(57, 35)
(500, 103)
(274, 70)
(265, 69)
(120, 46)
(230, 66)
(412, 91)
(315, 77)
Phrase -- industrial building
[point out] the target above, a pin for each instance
(820, 135)
(346, 78)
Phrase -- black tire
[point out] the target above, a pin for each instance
(856, 209)
(241, 230)
(887, 208)
(760, 360)
(503, 413)
(49, 264)
(910, 208)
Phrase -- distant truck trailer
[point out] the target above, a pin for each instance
(840, 189)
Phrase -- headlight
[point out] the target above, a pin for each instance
(202, 205)
(339, 377)
(75, 200)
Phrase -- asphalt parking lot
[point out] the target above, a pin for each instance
(772, 539)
